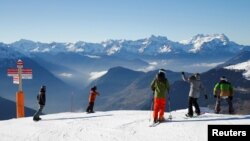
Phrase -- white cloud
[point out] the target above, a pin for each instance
(95, 75)
(153, 63)
(207, 65)
(93, 56)
(150, 67)
(66, 75)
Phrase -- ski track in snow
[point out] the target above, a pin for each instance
(113, 126)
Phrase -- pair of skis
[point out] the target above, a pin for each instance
(167, 120)
(157, 123)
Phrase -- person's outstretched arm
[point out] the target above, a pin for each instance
(184, 77)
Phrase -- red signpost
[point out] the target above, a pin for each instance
(19, 74)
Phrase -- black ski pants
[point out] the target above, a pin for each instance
(193, 102)
(230, 105)
(90, 107)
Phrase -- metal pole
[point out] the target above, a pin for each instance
(169, 104)
(151, 108)
(20, 88)
(20, 94)
(72, 100)
(20, 67)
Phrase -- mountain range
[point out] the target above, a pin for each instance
(136, 93)
(73, 62)
(152, 46)
(127, 67)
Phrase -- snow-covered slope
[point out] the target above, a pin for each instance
(114, 126)
(244, 66)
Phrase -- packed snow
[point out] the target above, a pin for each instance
(114, 126)
(245, 66)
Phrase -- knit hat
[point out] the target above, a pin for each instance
(43, 88)
(197, 76)
(162, 70)
(223, 78)
(93, 88)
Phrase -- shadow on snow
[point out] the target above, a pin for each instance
(215, 119)
(69, 118)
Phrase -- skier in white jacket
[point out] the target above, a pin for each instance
(196, 88)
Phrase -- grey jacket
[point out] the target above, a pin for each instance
(196, 86)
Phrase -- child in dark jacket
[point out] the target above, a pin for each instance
(41, 99)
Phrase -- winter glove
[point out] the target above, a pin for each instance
(206, 97)
(153, 89)
(215, 96)
(182, 73)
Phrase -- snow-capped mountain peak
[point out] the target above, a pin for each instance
(201, 38)
(200, 41)
(157, 38)
(72, 48)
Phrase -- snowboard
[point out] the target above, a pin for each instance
(194, 116)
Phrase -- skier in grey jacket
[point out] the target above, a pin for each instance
(196, 88)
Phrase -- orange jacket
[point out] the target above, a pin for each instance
(92, 96)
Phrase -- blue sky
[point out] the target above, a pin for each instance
(99, 20)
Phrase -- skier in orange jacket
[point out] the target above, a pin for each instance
(92, 95)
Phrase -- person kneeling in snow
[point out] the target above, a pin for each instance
(41, 99)
(160, 87)
(92, 96)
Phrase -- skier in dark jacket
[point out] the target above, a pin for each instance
(41, 99)
(196, 88)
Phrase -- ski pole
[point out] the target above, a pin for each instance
(170, 116)
(151, 107)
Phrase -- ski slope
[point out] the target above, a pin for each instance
(114, 126)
